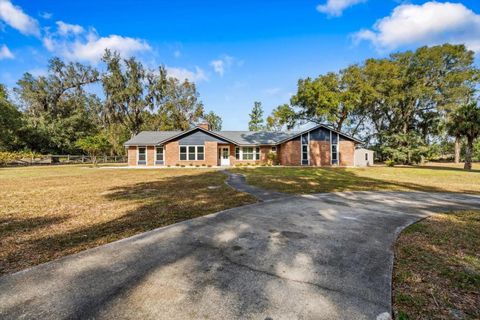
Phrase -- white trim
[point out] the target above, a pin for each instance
(196, 152)
(220, 151)
(163, 153)
(254, 148)
(146, 156)
(308, 149)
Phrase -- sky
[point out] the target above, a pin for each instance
(237, 52)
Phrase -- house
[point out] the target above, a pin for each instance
(317, 146)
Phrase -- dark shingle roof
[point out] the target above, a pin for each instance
(255, 137)
(151, 137)
(241, 138)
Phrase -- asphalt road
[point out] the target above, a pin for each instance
(323, 256)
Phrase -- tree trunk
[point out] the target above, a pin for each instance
(457, 149)
(468, 154)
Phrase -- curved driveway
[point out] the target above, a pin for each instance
(326, 256)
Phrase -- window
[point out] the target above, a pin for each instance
(257, 153)
(274, 149)
(305, 151)
(142, 155)
(183, 153)
(200, 153)
(192, 153)
(334, 154)
(366, 156)
(159, 155)
(237, 153)
(247, 153)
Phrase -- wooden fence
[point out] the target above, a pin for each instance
(65, 159)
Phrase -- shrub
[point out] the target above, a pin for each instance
(191, 164)
(183, 166)
(389, 163)
(197, 165)
(209, 165)
(177, 165)
(7, 157)
(203, 164)
(272, 158)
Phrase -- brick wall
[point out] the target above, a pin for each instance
(290, 154)
(315, 153)
(211, 153)
(132, 156)
(150, 156)
(171, 153)
(347, 149)
(325, 153)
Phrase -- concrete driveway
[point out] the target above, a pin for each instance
(308, 257)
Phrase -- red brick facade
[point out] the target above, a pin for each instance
(289, 154)
(347, 150)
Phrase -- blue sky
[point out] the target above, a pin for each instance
(237, 52)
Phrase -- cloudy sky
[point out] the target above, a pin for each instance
(236, 51)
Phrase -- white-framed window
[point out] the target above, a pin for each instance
(274, 149)
(159, 156)
(192, 153)
(141, 155)
(305, 139)
(334, 139)
(247, 153)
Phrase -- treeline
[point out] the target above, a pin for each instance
(76, 108)
(407, 107)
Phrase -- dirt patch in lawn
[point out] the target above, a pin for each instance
(437, 268)
(50, 212)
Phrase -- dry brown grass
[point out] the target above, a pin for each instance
(435, 177)
(50, 212)
(437, 268)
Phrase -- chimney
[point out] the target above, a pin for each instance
(204, 125)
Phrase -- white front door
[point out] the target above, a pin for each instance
(224, 153)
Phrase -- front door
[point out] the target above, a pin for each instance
(224, 155)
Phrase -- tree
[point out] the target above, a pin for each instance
(256, 117)
(331, 98)
(213, 120)
(281, 117)
(124, 86)
(465, 121)
(180, 108)
(10, 122)
(94, 146)
(58, 111)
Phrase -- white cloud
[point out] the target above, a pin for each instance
(182, 74)
(17, 19)
(74, 43)
(5, 53)
(46, 15)
(65, 29)
(335, 8)
(272, 91)
(223, 64)
(428, 24)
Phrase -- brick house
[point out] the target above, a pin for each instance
(317, 146)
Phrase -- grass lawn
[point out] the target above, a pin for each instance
(435, 177)
(437, 268)
(50, 212)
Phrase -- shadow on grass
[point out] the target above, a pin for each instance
(318, 180)
(159, 203)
